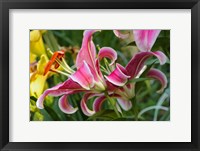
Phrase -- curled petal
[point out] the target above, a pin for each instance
(83, 76)
(65, 106)
(84, 107)
(87, 51)
(119, 76)
(125, 104)
(161, 56)
(137, 62)
(160, 76)
(98, 103)
(145, 39)
(67, 87)
(108, 53)
(120, 35)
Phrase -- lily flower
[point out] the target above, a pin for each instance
(89, 79)
(36, 42)
(37, 50)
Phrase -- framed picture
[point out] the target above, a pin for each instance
(99, 75)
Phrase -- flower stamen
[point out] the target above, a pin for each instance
(58, 59)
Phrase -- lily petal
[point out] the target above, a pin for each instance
(84, 107)
(160, 76)
(41, 64)
(137, 62)
(125, 104)
(98, 103)
(83, 76)
(108, 53)
(98, 70)
(36, 43)
(87, 51)
(161, 56)
(120, 35)
(37, 84)
(65, 106)
(119, 76)
(111, 87)
(145, 39)
(67, 87)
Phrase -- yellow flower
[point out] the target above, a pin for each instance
(37, 79)
(36, 42)
(32, 57)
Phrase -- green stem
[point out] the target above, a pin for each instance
(113, 104)
(135, 108)
(107, 65)
(78, 112)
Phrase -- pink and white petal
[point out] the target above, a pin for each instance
(161, 56)
(98, 103)
(111, 87)
(108, 53)
(98, 70)
(65, 106)
(87, 51)
(125, 104)
(120, 35)
(83, 76)
(145, 39)
(137, 62)
(67, 87)
(119, 76)
(84, 107)
(160, 76)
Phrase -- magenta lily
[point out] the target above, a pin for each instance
(89, 79)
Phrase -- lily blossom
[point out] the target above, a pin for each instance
(89, 79)
(145, 40)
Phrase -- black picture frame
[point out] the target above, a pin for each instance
(5, 5)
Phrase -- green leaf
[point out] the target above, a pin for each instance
(131, 44)
(138, 80)
(49, 110)
(51, 41)
(38, 116)
(165, 117)
(33, 98)
(52, 113)
(103, 115)
(124, 119)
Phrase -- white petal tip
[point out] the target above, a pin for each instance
(39, 106)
